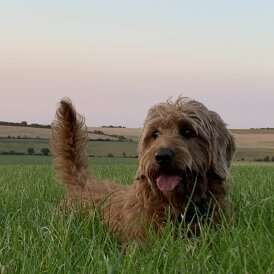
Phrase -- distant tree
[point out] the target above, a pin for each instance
(272, 158)
(98, 132)
(24, 123)
(121, 138)
(45, 151)
(30, 151)
(266, 158)
(124, 154)
(110, 155)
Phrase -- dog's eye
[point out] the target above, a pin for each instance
(188, 133)
(155, 134)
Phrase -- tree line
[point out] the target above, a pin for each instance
(30, 151)
(23, 124)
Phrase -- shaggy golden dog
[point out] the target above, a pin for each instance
(185, 151)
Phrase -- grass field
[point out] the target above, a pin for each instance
(37, 238)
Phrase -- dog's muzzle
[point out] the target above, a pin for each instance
(164, 157)
(166, 181)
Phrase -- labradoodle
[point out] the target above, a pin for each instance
(184, 152)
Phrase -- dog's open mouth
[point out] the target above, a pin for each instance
(168, 182)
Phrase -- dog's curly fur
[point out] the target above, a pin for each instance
(184, 152)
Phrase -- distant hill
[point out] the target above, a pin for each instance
(253, 131)
(23, 124)
(251, 143)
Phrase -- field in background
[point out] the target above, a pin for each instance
(24, 132)
(31, 132)
(94, 148)
(10, 160)
(251, 143)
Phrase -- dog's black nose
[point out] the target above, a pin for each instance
(163, 156)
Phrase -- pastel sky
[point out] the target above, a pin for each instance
(115, 59)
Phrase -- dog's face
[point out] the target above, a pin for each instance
(183, 140)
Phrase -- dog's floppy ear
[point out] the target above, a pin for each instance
(223, 147)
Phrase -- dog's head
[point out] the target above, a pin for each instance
(180, 141)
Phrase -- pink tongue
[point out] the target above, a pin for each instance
(167, 182)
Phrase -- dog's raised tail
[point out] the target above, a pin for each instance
(68, 145)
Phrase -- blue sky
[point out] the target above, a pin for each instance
(115, 59)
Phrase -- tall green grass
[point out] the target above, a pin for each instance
(36, 237)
